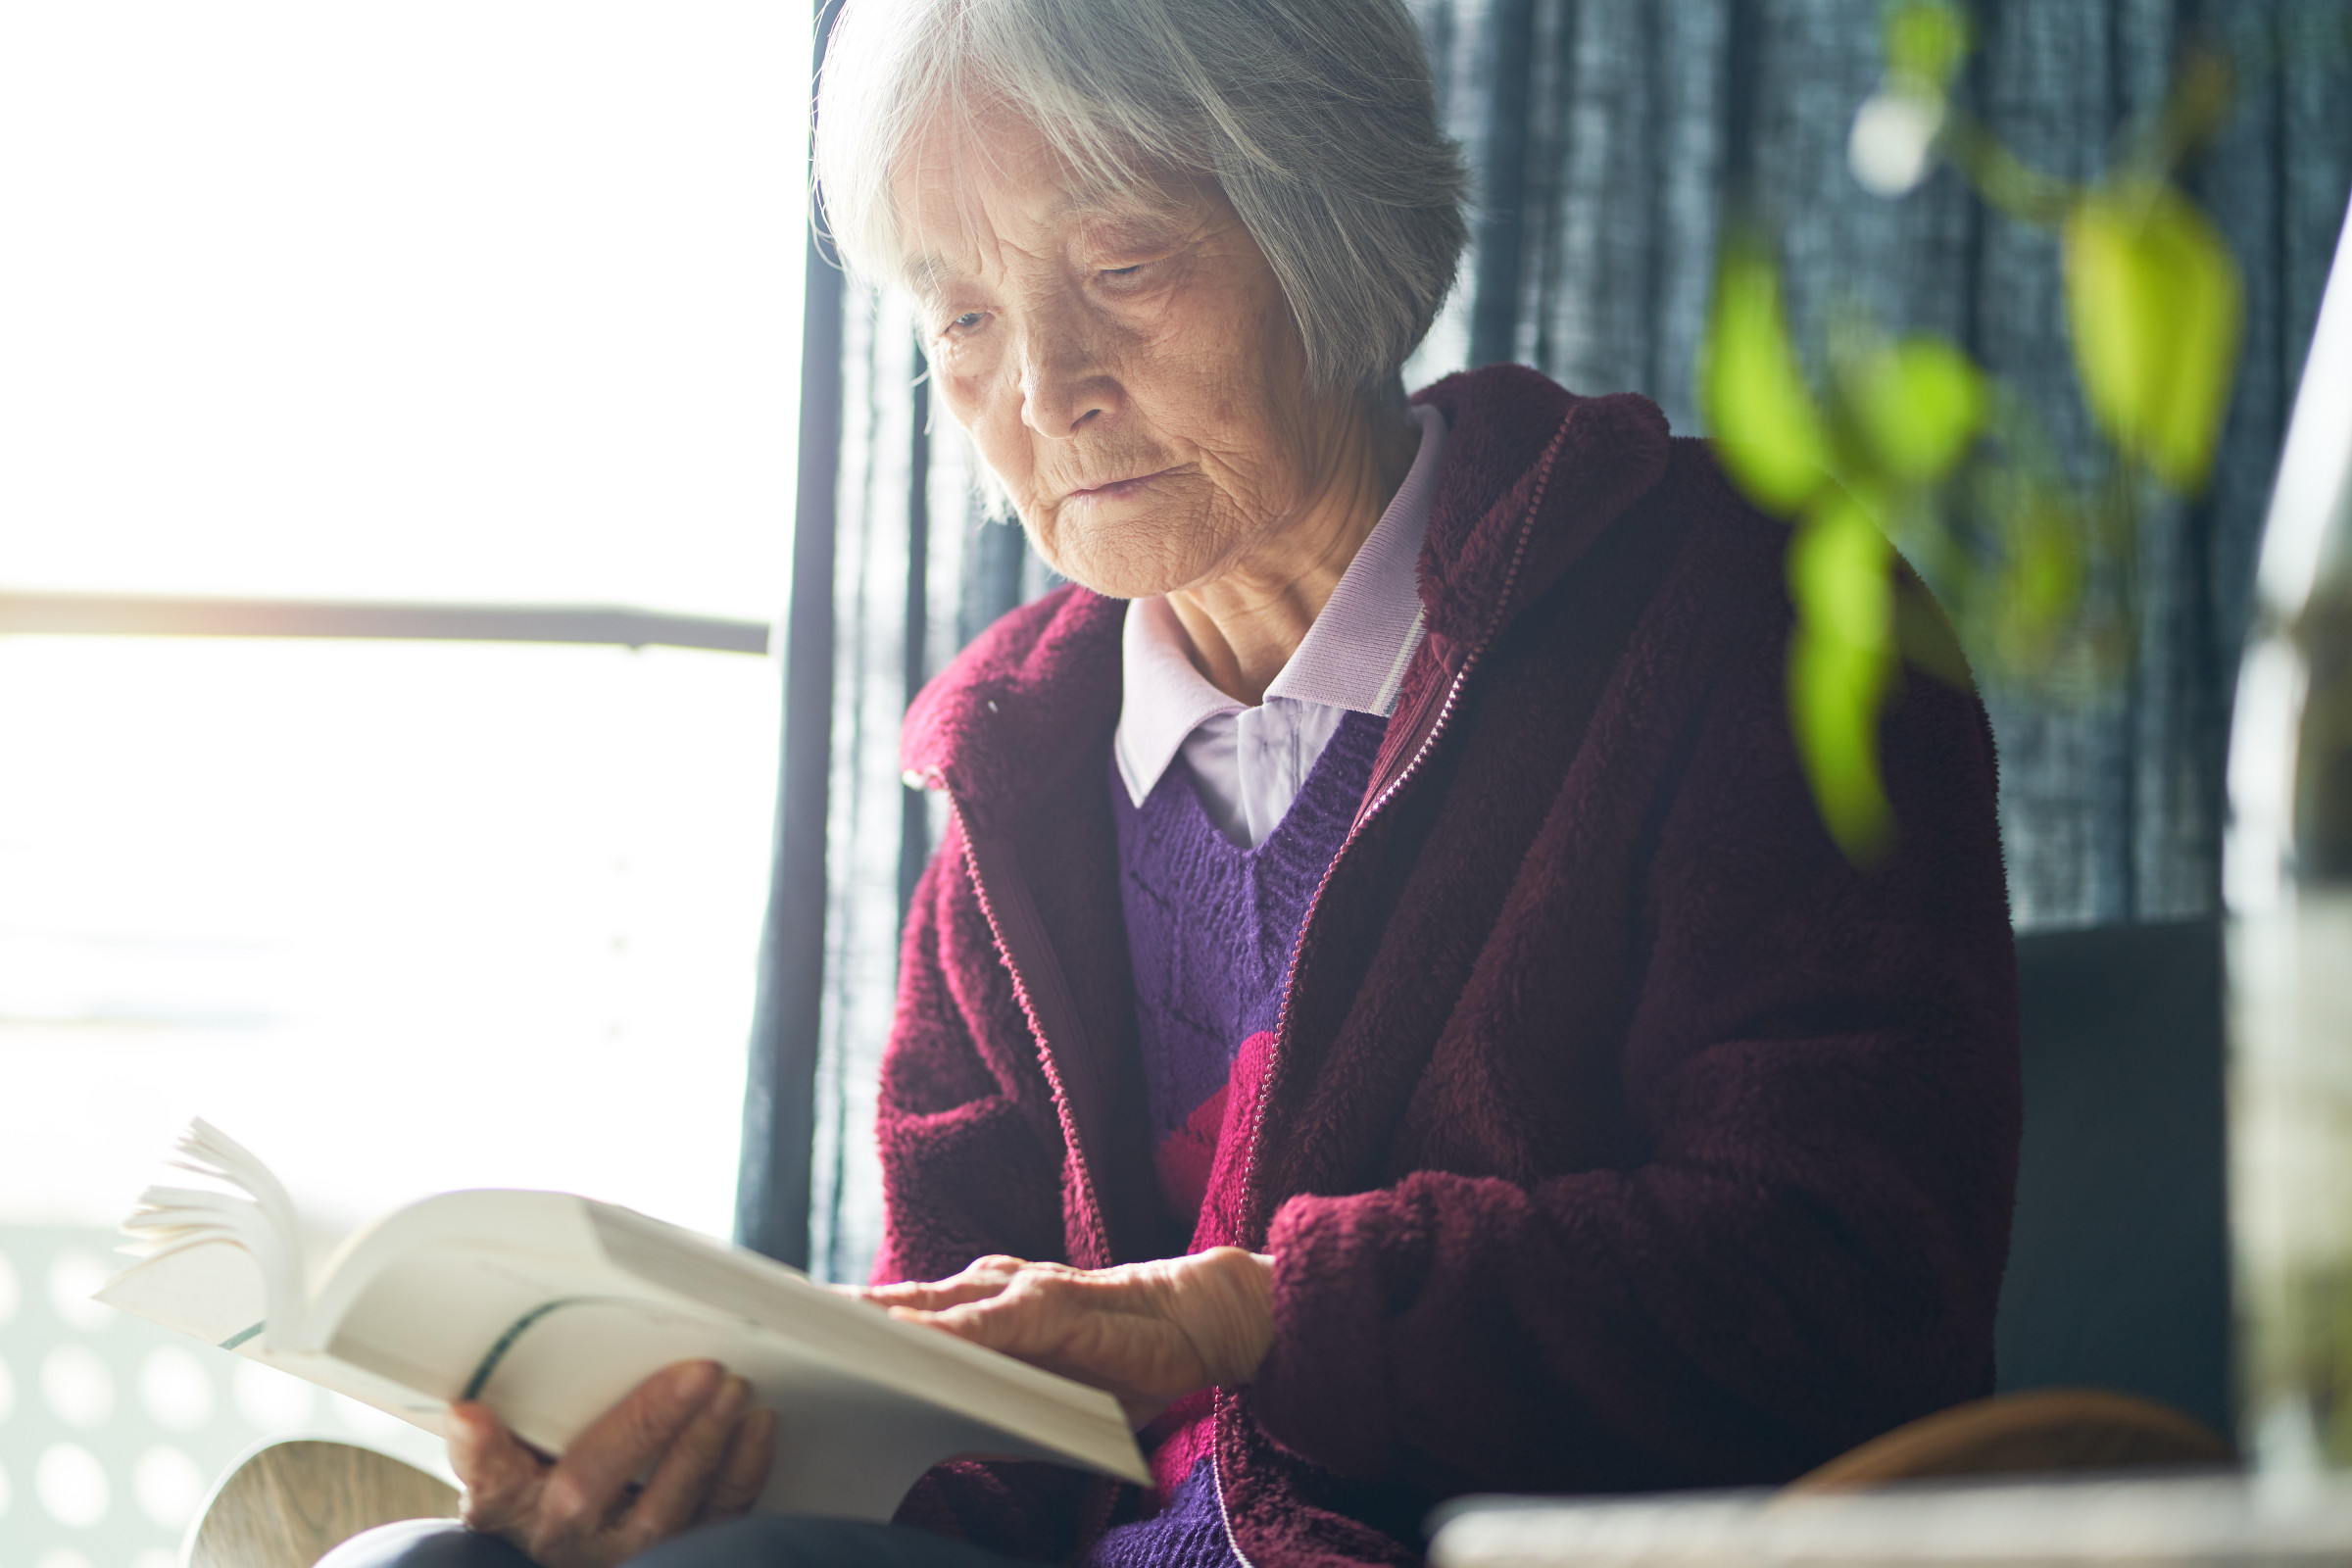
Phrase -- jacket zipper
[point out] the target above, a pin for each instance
(1098, 1227)
(1363, 818)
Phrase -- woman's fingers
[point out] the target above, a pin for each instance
(478, 1443)
(935, 1298)
(681, 1483)
(500, 1475)
(585, 1492)
(980, 1279)
(743, 1473)
(619, 1443)
(1091, 1335)
(1150, 1333)
(689, 1424)
(1033, 1317)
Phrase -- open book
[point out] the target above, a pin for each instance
(548, 1308)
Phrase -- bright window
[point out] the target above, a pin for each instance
(482, 302)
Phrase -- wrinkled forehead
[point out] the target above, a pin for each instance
(973, 192)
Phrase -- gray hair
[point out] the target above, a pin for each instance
(1315, 116)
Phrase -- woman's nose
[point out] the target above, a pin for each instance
(1063, 384)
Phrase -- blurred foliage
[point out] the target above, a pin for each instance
(1905, 441)
(2154, 302)
(1925, 45)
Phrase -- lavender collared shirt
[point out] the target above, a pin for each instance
(1250, 763)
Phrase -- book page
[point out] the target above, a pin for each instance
(1071, 1422)
(212, 1291)
(846, 1447)
(550, 1308)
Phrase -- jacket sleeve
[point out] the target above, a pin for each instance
(1820, 1066)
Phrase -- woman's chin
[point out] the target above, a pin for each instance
(1121, 558)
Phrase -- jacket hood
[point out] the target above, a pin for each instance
(1532, 474)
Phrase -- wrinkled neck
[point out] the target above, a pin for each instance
(1245, 623)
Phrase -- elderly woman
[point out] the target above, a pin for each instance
(1385, 1004)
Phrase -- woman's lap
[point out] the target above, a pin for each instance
(760, 1540)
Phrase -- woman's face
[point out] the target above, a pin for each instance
(1126, 364)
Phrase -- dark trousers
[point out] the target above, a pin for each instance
(760, 1540)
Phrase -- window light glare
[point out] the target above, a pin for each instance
(402, 301)
(272, 1399)
(74, 1275)
(166, 1484)
(175, 1389)
(76, 1387)
(72, 1484)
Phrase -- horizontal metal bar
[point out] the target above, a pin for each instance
(145, 615)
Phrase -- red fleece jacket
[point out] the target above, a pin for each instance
(1618, 1133)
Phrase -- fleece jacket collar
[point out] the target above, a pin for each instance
(1531, 475)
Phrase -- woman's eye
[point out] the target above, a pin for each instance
(968, 322)
(1122, 271)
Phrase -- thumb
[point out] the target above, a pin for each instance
(499, 1472)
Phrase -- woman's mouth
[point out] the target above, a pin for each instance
(1116, 489)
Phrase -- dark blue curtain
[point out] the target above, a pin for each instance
(1606, 140)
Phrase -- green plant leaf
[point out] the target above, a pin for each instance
(1839, 662)
(1926, 41)
(1918, 404)
(2154, 304)
(1924, 637)
(1751, 388)
(2044, 581)
(2038, 593)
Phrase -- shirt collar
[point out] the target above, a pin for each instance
(1353, 656)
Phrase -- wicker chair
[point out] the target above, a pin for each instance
(288, 1504)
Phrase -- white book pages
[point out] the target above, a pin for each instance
(548, 1308)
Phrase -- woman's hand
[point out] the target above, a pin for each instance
(1149, 1333)
(687, 1423)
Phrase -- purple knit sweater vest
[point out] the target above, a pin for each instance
(1210, 929)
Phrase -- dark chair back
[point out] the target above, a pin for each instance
(2119, 1273)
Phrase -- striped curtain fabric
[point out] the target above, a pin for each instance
(1606, 141)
